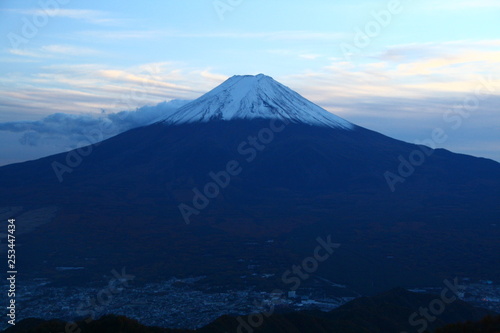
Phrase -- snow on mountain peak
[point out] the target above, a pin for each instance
(255, 97)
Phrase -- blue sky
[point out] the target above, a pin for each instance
(420, 65)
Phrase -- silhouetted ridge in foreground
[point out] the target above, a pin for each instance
(488, 324)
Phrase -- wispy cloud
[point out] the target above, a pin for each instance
(411, 84)
(61, 131)
(28, 53)
(17, 60)
(91, 16)
(270, 35)
(70, 50)
(74, 127)
(405, 90)
(410, 71)
(300, 54)
(122, 34)
(419, 70)
(465, 4)
(54, 51)
(310, 56)
(92, 87)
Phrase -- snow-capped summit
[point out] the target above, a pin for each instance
(252, 97)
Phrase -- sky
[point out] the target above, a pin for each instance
(404, 68)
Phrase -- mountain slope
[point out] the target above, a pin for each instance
(119, 205)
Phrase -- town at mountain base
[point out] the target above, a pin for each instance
(395, 311)
(236, 187)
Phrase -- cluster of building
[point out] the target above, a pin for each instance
(483, 294)
(174, 303)
(182, 303)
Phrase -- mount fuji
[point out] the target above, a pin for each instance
(260, 173)
(252, 97)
